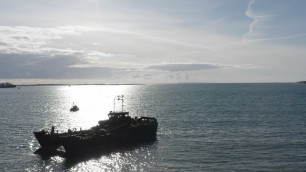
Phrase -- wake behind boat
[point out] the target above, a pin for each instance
(120, 129)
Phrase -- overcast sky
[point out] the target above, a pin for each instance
(152, 41)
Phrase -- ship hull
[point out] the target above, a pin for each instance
(125, 135)
(119, 130)
(48, 141)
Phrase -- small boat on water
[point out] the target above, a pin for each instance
(74, 108)
(119, 130)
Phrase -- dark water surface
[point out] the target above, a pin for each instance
(202, 127)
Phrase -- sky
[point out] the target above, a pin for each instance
(152, 41)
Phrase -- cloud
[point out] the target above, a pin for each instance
(113, 47)
(76, 52)
(183, 67)
(28, 40)
(146, 76)
(51, 42)
(57, 67)
(197, 67)
(255, 17)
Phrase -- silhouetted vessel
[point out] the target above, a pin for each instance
(74, 108)
(7, 85)
(120, 129)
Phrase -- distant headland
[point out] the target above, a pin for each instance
(301, 82)
(7, 85)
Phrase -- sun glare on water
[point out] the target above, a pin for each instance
(94, 102)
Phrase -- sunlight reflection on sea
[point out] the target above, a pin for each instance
(94, 101)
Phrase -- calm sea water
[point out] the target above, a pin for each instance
(202, 127)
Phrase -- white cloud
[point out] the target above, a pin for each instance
(38, 41)
(256, 19)
(23, 39)
(196, 67)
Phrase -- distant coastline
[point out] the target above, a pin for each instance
(71, 84)
(97, 84)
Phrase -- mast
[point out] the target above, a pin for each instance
(114, 104)
(122, 102)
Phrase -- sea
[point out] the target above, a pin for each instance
(202, 127)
